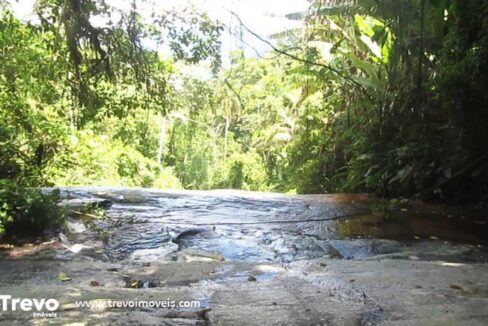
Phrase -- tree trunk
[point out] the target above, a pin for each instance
(162, 139)
(227, 123)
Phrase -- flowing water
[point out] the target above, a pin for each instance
(151, 225)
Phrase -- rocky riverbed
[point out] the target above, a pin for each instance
(243, 258)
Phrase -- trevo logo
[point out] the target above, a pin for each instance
(7, 303)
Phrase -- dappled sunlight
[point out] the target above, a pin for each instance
(269, 269)
(28, 249)
(449, 264)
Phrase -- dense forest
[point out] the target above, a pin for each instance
(381, 96)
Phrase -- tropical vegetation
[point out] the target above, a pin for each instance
(382, 96)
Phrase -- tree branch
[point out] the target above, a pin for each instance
(294, 57)
(235, 93)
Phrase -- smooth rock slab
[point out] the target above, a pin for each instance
(315, 292)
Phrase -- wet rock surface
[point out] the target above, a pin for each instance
(253, 259)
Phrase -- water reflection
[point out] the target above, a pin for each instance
(152, 225)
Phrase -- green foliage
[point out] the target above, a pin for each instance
(369, 98)
(29, 101)
(28, 212)
(412, 113)
(92, 159)
(246, 171)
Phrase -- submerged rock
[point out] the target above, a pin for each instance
(183, 236)
(361, 248)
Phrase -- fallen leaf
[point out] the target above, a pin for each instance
(63, 277)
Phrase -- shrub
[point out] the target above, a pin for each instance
(28, 212)
(166, 179)
(246, 171)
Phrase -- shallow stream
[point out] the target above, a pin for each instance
(152, 225)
